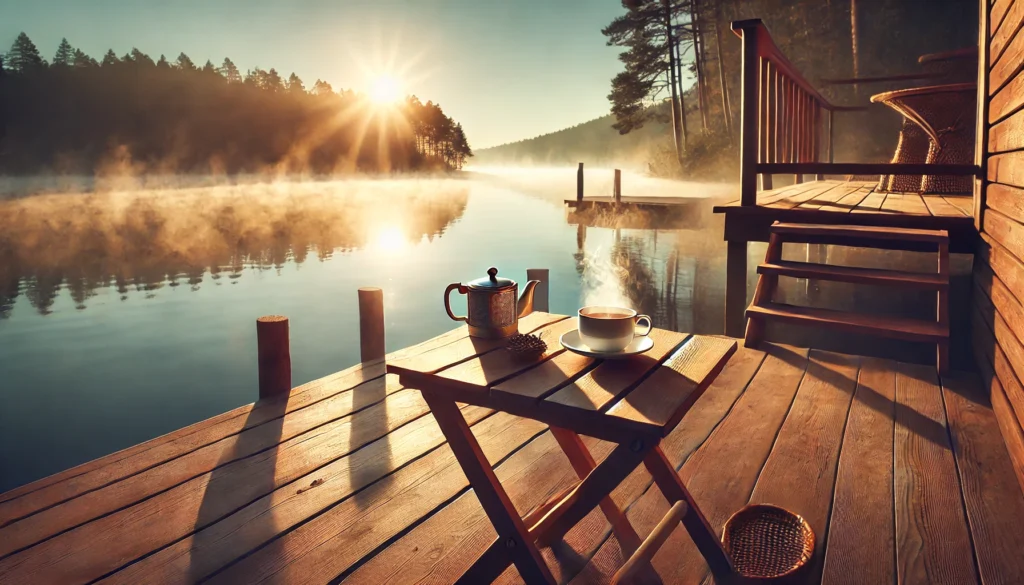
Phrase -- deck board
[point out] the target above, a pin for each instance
(375, 496)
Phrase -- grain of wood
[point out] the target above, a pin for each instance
(931, 529)
(671, 390)
(872, 203)
(909, 203)
(1006, 168)
(1008, 101)
(830, 197)
(1008, 28)
(794, 201)
(964, 203)
(600, 387)
(107, 543)
(992, 496)
(536, 383)
(1008, 134)
(939, 207)
(1008, 354)
(1008, 65)
(136, 488)
(1005, 231)
(997, 13)
(204, 552)
(800, 473)
(163, 449)
(143, 455)
(331, 543)
(861, 537)
(1006, 200)
(850, 202)
(721, 472)
(1010, 429)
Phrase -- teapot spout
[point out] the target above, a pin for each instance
(525, 305)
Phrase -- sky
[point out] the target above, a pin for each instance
(506, 69)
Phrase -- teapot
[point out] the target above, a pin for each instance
(494, 305)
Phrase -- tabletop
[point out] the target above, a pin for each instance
(609, 399)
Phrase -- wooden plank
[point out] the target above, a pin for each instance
(1008, 101)
(799, 474)
(792, 191)
(797, 200)
(855, 274)
(1007, 135)
(909, 203)
(963, 203)
(1008, 65)
(1005, 231)
(795, 230)
(882, 325)
(600, 387)
(872, 203)
(940, 207)
(463, 349)
(480, 372)
(720, 474)
(1009, 355)
(330, 543)
(1007, 168)
(998, 12)
(991, 494)
(410, 454)
(442, 547)
(1010, 429)
(822, 168)
(550, 375)
(101, 471)
(107, 543)
(118, 495)
(1004, 384)
(663, 398)
(1009, 28)
(995, 258)
(861, 537)
(831, 196)
(931, 530)
(1006, 200)
(850, 201)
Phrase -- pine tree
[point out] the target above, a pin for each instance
(162, 62)
(141, 58)
(82, 61)
(65, 56)
(209, 68)
(295, 84)
(184, 63)
(230, 72)
(322, 88)
(110, 59)
(24, 56)
(273, 81)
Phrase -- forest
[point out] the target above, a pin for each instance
(132, 114)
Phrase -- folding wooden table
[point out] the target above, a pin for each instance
(633, 403)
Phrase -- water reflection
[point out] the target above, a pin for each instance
(144, 240)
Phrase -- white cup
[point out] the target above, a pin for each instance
(610, 328)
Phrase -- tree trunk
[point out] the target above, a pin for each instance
(697, 60)
(853, 43)
(677, 132)
(726, 107)
(679, 78)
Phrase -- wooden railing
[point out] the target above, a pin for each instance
(787, 127)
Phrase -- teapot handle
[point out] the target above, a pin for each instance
(447, 299)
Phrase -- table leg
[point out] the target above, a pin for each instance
(514, 544)
(694, 521)
(583, 463)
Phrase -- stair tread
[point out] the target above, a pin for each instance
(884, 325)
(862, 232)
(855, 274)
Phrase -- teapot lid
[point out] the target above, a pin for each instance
(491, 282)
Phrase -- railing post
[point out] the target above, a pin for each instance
(748, 116)
(273, 356)
(617, 188)
(765, 126)
(817, 139)
(579, 183)
(541, 293)
(371, 324)
(831, 150)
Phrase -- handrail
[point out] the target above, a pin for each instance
(766, 49)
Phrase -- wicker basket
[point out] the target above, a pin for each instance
(767, 542)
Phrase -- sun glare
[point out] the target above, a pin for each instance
(385, 90)
(390, 239)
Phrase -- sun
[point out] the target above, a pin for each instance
(385, 89)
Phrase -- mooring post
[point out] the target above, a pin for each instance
(371, 324)
(540, 294)
(274, 356)
(617, 190)
(579, 183)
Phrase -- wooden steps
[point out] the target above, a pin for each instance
(763, 309)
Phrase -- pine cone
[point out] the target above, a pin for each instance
(526, 345)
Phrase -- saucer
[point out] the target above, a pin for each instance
(571, 341)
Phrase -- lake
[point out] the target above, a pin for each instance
(129, 311)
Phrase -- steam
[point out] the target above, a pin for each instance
(601, 282)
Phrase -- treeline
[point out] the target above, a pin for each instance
(139, 115)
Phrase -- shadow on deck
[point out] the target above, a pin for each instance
(897, 472)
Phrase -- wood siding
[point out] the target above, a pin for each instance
(998, 312)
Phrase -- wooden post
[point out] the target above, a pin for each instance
(764, 126)
(371, 324)
(541, 293)
(830, 150)
(579, 183)
(982, 126)
(273, 356)
(748, 115)
(617, 188)
(735, 288)
(817, 139)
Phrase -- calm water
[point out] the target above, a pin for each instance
(128, 314)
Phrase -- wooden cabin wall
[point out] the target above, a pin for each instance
(998, 306)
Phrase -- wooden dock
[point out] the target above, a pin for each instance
(348, 479)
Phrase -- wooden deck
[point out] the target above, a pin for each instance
(851, 202)
(349, 480)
